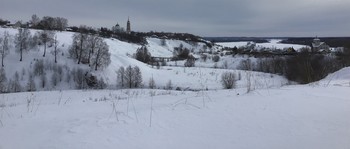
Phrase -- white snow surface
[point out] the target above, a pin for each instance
(288, 117)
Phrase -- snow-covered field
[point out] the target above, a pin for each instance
(300, 116)
(274, 114)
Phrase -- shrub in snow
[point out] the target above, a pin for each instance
(228, 80)
(190, 62)
(163, 63)
(14, 86)
(225, 65)
(216, 58)
(101, 84)
(169, 85)
(43, 80)
(151, 83)
(79, 78)
(31, 84)
(39, 68)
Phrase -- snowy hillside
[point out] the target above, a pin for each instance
(121, 55)
(288, 117)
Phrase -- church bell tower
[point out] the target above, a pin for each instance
(128, 27)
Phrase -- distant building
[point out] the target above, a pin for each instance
(318, 46)
(117, 29)
(128, 27)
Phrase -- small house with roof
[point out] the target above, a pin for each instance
(318, 46)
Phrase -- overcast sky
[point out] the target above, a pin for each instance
(255, 18)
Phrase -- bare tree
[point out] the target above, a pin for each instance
(92, 43)
(121, 77)
(137, 78)
(43, 80)
(102, 57)
(21, 41)
(31, 84)
(45, 37)
(152, 83)
(79, 48)
(56, 49)
(163, 42)
(39, 68)
(35, 20)
(169, 85)
(129, 76)
(4, 47)
(61, 23)
(16, 86)
(3, 80)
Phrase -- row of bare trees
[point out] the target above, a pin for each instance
(24, 41)
(129, 77)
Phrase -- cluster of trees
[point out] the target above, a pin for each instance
(48, 23)
(4, 22)
(331, 41)
(129, 77)
(4, 47)
(90, 49)
(181, 53)
(303, 67)
(143, 55)
(25, 41)
(46, 75)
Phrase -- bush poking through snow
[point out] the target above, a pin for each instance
(151, 83)
(216, 58)
(228, 80)
(169, 85)
(190, 62)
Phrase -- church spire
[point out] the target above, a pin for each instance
(128, 26)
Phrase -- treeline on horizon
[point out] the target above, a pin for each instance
(331, 41)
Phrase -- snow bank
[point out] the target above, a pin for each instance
(338, 78)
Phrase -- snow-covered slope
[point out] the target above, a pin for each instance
(121, 55)
(339, 78)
